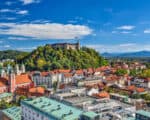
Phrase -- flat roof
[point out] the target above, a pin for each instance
(52, 108)
(3, 95)
(144, 113)
(67, 94)
(14, 113)
(90, 114)
(79, 100)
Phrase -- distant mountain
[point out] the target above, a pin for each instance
(12, 54)
(131, 54)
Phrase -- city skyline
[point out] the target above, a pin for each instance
(105, 25)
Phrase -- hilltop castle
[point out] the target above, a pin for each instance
(73, 46)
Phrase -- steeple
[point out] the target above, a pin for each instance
(23, 70)
(9, 69)
(17, 69)
(12, 81)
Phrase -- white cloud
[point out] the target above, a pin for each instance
(22, 12)
(126, 27)
(6, 10)
(127, 44)
(6, 46)
(18, 38)
(121, 32)
(8, 18)
(147, 31)
(120, 48)
(45, 30)
(26, 48)
(26, 2)
(125, 32)
(114, 32)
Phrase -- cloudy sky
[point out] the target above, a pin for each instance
(106, 25)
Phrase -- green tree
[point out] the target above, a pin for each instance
(121, 72)
(145, 73)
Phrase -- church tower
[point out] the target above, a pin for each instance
(23, 70)
(17, 69)
(12, 81)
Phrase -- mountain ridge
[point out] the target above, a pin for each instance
(143, 53)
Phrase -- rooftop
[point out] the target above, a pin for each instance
(23, 78)
(4, 95)
(13, 113)
(50, 107)
(144, 113)
(90, 114)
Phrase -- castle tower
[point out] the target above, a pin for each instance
(23, 70)
(78, 45)
(12, 81)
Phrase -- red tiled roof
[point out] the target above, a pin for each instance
(140, 89)
(79, 71)
(112, 78)
(40, 90)
(103, 94)
(23, 78)
(131, 88)
(68, 75)
(90, 70)
(103, 68)
(44, 73)
(3, 79)
(2, 84)
(62, 71)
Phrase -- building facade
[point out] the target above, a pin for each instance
(73, 46)
(49, 109)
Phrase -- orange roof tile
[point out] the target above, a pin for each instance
(103, 94)
(79, 71)
(131, 88)
(90, 70)
(62, 71)
(3, 79)
(140, 89)
(68, 75)
(23, 78)
(2, 84)
(44, 73)
(40, 90)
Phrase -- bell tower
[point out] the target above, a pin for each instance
(23, 70)
(12, 81)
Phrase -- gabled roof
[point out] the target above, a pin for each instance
(2, 84)
(79, 72)
(67, 75)
(40, 90)
(62, 71)
(23, 78)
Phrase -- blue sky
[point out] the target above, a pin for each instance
(105, 25)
